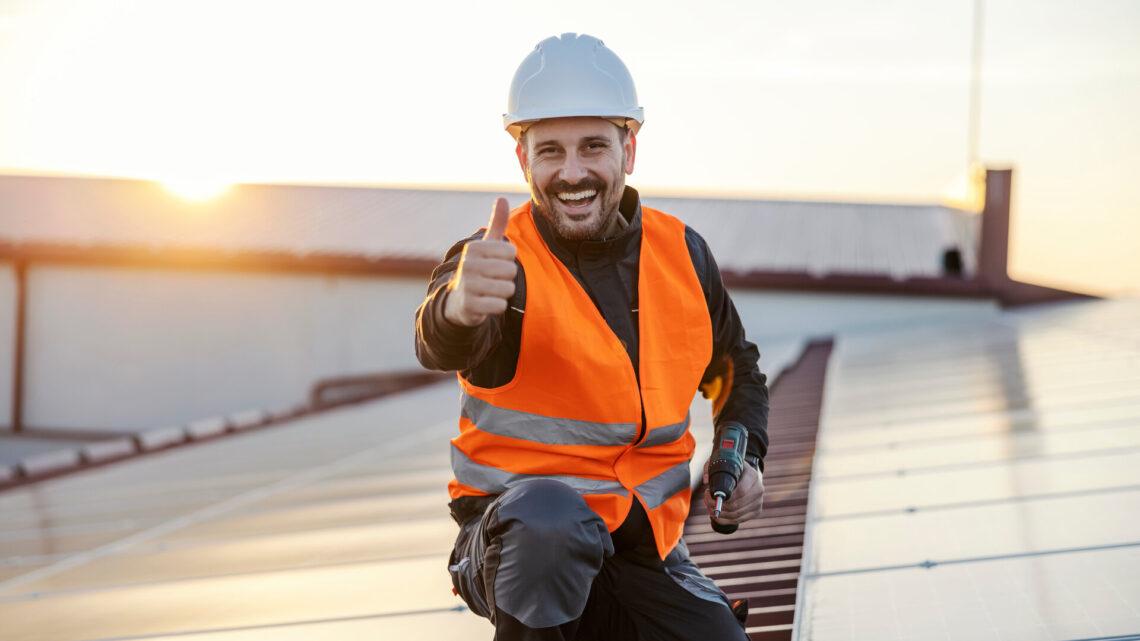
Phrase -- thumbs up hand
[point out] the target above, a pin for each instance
(485, 280)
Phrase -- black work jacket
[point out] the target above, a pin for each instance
(607, 270)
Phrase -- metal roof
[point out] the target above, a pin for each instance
(816, 238)
(761, 561)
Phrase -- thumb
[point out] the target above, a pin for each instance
(498, 223)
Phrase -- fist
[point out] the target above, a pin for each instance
(485, 280)
(747, 500)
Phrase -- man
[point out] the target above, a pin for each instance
(581, 325)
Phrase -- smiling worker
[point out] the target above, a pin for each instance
(581, 325)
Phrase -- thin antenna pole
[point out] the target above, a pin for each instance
(975, 86)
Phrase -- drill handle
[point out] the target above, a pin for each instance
(722, 528)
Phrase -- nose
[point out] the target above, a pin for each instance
(572, 170)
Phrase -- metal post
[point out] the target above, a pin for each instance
(975, 86)
(20, 268)
(993, 258)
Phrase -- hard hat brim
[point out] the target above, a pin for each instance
(516, 124)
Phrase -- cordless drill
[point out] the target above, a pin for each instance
(725, 466)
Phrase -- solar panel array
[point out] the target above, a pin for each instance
(980, 481)
(331, 527)
(973, 480)
(334, 526)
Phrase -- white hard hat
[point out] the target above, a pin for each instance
(572, 75)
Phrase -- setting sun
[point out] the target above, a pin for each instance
(968, 190)
(195, 189)
(863, 102)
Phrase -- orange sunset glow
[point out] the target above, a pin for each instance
(856, 102)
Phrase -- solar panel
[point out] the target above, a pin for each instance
(333, 525)
(978, 481)
(974, 480)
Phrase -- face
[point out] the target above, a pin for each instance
(576, 170)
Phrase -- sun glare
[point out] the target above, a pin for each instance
(196, 189)
(967, 191)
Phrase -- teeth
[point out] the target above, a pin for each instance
(578, 195)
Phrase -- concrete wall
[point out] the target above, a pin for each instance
(7, 341)
(132, 348)
(776, 317)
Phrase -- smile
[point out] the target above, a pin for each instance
(578, 197)
(576, 202)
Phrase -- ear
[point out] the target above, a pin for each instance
(520, 152)
(630, 149)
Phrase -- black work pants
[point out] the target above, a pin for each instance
(541, 566)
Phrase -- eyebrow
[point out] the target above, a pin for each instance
(585, 139)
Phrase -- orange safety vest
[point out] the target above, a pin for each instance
(573, 410)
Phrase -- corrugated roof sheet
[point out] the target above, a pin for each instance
(761, 561)
(817, 238)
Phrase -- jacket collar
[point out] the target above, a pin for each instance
(570, 251)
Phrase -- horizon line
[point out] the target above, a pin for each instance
(492, 187)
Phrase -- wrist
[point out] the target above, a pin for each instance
(446, 318)
(450, 314)
(753, 461)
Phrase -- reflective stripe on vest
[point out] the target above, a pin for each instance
(561, 431)
(492, 480)
(573, 411)
(666, 433)
(658, 489)
(544, 429)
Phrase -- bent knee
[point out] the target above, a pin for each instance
(552, 514)
(545, 504)
(548, 546)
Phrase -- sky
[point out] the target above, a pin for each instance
(821, 99)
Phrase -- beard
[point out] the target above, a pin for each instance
(577, 227)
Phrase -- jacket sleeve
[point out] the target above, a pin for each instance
(733, 379)
(441, 344)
